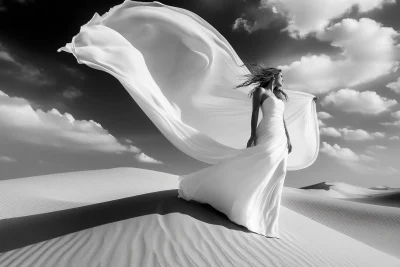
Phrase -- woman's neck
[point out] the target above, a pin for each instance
(270, 88)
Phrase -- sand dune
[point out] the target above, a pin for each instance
(110, 218)
(47, 193)
(379, 195)
(343, 190)
(376, 226)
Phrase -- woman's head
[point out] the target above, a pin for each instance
(266, 77)
(270, 78)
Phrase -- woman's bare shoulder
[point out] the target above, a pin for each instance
(264, 92)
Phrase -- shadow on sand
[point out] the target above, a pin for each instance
(23, 231)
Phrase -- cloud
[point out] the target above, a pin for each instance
(396, 114)
(376, 147)
(393, 123)
(343, 154)
(73, 72)
(256, 18)
(330, 131)
(368, 51)
(367, 102)
(146, 159)
(25, 71)
(349, 134)
(395, 86)
(321, 123)
(394, 138)
(360, 135)
(303, 17)
(21, 123)
(324, 115)
(71, 93)
(7, 159)
(347, 157)
(372, 149)
(4, 55)
(4, 9)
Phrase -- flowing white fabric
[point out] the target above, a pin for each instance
(181, 72)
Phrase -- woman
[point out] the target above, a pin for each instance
(180, 71)
(248, 188)
(264, 76)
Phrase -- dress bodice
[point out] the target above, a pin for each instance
(273, 108)
(271, 126)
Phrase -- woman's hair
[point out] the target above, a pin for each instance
(261, 76)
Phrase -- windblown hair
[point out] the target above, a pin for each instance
(261, 76)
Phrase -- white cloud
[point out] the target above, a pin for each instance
(367, 158)
(128, 141)
(71, 92)
(7, 159)
(303, 17)
(395, 86)
(393, 123)
(321, 123)
(133, 149)
(344, 154)
(359, 134)
(347, 157)
(368, 51)
(307, 16)
(20, 122)
(396, 114)
(350, 134)
(367, 102)
(330, 131)
(146, 159)
(324, 115)
(394, 138)
(4, 55)
(255, 18)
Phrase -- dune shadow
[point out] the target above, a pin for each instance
(389, 199)
(23, 231)
(322, 186)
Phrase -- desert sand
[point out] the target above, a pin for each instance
(112, 218)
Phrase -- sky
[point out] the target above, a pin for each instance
(60, 116)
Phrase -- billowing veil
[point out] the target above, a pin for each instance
(181, 71)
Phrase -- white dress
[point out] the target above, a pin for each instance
(248, 187)
(181, 72)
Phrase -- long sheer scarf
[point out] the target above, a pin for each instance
(181, 71)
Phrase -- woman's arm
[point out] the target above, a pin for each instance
(287, 134)
(289, 144)
(256, 108)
